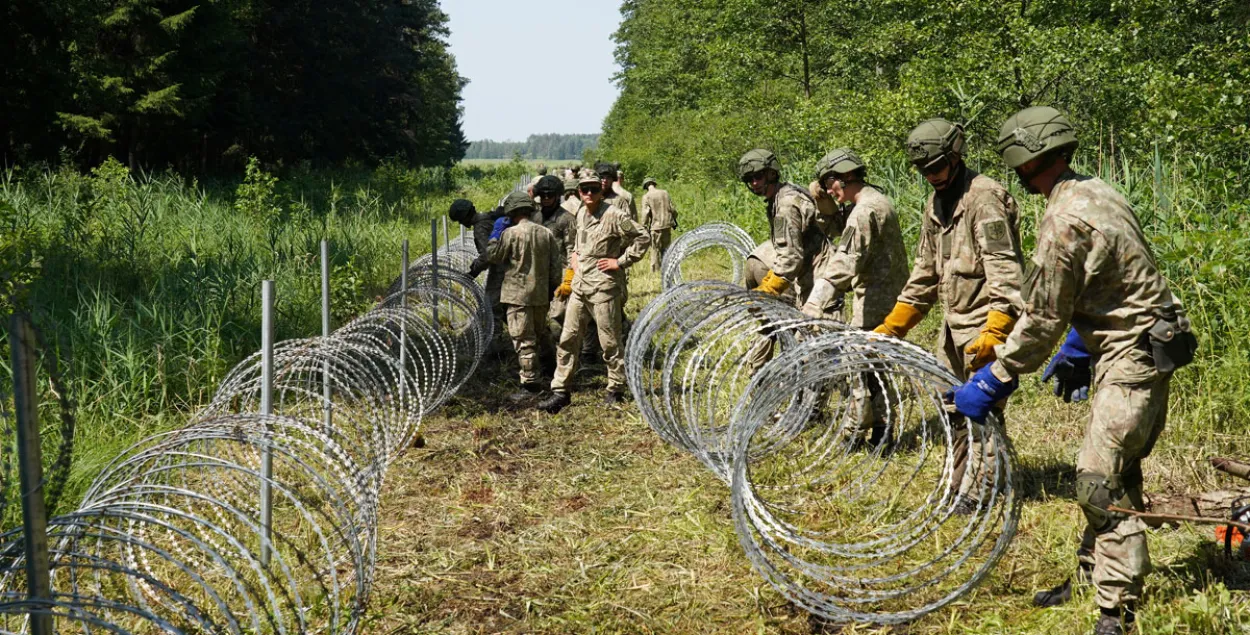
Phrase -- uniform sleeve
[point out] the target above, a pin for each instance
(921, 290)
(787, 236)
(645, 219)
(556, 267)
(998, 238)
(499, 251)
(852, 251)
(1049, 293)
(481, 239)
(637, 239)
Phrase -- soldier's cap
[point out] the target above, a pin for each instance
(570, 185)
(461, 209)
(649, 181)
(588, 178)
(606, 170)
(517, 202)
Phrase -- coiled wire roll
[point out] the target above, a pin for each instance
(716, 235)
(171, 536)
(847, 522)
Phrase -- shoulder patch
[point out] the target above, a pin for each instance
(848, 239)
(995, 236)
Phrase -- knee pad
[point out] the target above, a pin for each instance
(1096, 493)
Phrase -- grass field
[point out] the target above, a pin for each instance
(512, 521)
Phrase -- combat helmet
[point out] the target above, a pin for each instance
(549, 184)
(840, 161)
(517, 201)
(1032, 132)
(756, 160)
(933, 140)
(649, 181)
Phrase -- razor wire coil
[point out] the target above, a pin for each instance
(170, 537)
(716, 235)
(846, 467)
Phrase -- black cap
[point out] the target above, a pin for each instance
(462, 211)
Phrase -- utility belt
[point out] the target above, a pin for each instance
(1169, 341)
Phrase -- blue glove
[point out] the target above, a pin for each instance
(975, 398)
(500, 225)
(1072, 369)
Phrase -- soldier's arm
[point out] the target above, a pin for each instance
(1050, 292)
(638, 241)
(555, 269)
(788, 240)
(851, 253)
(499, 251)
(921, 291)
(646, 211)
(481, 239)
(998, 239)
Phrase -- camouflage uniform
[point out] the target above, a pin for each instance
(969, 258)
(560, 223)
(1093, 267)
(530, 256)
(483, 224)
(657, 216)
(610, 233)
(869, 259)
(622, 199)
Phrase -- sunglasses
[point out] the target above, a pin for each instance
(590, 189)
(754, 176)
(547, 194)
(933, 168)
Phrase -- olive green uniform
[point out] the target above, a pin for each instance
(531, 260)
(610, 233)
(560, 223)
(1093, 267)
(657, 217)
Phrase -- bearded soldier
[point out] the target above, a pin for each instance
(659, 216)
(969, 258)
(1093, 268)
(608, 242)
(530, 256)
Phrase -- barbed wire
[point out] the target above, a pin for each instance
(172, 536)
(846, 467)
(717, 235)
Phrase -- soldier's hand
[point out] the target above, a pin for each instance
(608, 265)
(1072, 369)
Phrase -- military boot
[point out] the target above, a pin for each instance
(559, 400)
(1062, 594)
(1110, 622)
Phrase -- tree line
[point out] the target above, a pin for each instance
(200, 86)
(557, 147)
(703, 80)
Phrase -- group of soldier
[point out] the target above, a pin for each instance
(1092, 270)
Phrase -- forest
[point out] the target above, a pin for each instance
(558, 147)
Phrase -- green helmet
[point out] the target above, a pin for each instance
(934, 139)
(549, 184)
(648, 181)
(1033, 132)
(517, 201)
(542, 169)
(757, 160)
(570, 185)
(840, 161)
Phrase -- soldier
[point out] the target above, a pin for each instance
(570, 202)
(969, 258)
(462, 211)
(795, 239)
(659, 216)
(1093, 268)
(560, 223)
(608, 243)
(613, 193)
(530, 256)
(871, 260)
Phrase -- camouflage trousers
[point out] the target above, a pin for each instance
(577, 316)
(975, 451)
(527, 325)
(660, 240)
(1124, 424)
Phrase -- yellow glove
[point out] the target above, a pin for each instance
(902, 318)
(566, 288)
(995, 331)
(773, 284)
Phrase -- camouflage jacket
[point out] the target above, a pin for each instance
(797, 240)
(829, 216)
(531, 262)
(610, 233)
(483, 225)
(969, 257)
(622, 199)
(869, 259)
(657, 210)
(1093, 267)
(560, 223)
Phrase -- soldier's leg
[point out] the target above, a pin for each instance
(1125, 422)
(522, 329)
(568, 351)
(545, 347)
(608, 315)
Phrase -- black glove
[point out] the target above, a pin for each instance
(476, 269)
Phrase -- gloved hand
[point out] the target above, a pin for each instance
(500, 225)
(975, 398)
(1072, 369)
(476, 269)
(995, 331)
(821, 295)
(902, 318)
(566, 288)
(773, 284)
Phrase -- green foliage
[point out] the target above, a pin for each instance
(204, 85)
(558, 147)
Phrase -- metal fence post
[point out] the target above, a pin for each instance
(434, 270)
(446, 236)
(30, 466)
(325, 332)
(266, 409)
(403, 326)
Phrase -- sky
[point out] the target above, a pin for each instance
(503, 46)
